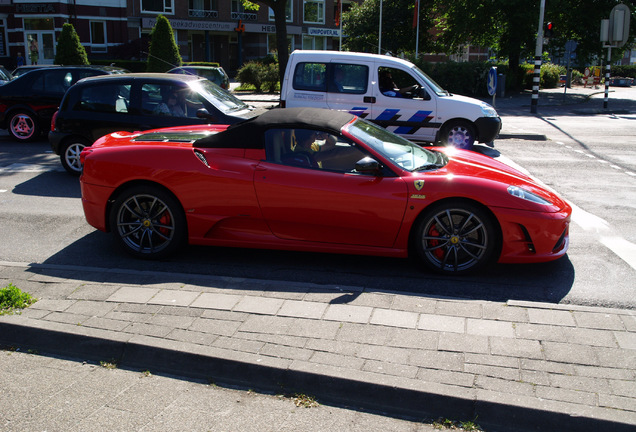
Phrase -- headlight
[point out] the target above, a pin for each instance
(518, 192)
(488, 111)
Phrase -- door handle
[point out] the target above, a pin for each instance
(369, 99)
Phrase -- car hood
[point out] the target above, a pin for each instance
(487, 179)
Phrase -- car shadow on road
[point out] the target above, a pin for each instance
(57, 184)
(284, 271)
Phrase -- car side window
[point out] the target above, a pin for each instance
(313, 149)
(310, 76)
(53, 83)
(104, 98)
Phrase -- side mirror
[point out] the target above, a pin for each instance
(203, 113)
(368, 165)
(424, 94)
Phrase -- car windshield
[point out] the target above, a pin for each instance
(399, 150)
(221, 99)
(430, 82)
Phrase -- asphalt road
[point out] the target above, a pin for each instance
(41, 221)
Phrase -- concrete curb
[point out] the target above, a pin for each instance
(329, 384)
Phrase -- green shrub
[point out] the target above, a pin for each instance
(69, 49)
(163, 54)
(260, 75)
(11, 298)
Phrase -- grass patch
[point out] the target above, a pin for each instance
(304, 401)
(112, 364)
(12, 298)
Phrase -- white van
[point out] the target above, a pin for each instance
(389, 91)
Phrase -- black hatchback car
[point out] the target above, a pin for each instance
(98, 106)
(28, 102)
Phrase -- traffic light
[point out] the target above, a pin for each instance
(548, 30)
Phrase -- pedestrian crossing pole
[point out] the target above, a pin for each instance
(536, 79)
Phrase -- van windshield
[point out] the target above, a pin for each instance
(430, 82)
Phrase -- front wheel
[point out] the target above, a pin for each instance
(456, 238)
(23, 126)
(70, 155)
(148, 222)
(459, 134)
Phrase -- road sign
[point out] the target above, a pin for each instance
(492, 81)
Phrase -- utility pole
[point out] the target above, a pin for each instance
(536, 79)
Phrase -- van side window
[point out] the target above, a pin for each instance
(331, 77)
(310, 76)
(348, 78)
(104, 98)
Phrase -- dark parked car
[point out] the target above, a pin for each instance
(135, 102)
(215, 74)
(28, 102)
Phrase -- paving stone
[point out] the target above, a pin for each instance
(625, 388)
(511, 374)
(516, 348)
(138, 308)
(360, 333)
(302, 309)
(259, 305)
(504, 312)
(52, 305)
(442, 323)
(133, 295)
(174, 321)
(414, 304)
(195, 337)
(93, 292)
(91, 308)
(484, 359)
(237, 344)
(148, 330)
(590, 337)
(540, 332)
(626, 340)
(218, 327)
(437, 360)
(68, 318)
(347, 349)
(461, 379)
(570, 353)
(504, 386)
(347, 313)
(551, 317)
(489, 328)
(629, 321)
(216, 301)
(286, 352)
(329, 358)
(383, 353)
(393, 318)
(596, 385)
(535, 377)
(385, 367)
(459, 309)
(105, 323)
(605, 372)
(618, 358)
(616, 402)
(602, 321)
(418, 339)
(547, 366)
(463, 343)
(174, 297)
(566, 395)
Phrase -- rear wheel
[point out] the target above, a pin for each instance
(23, 126)
(148, 222)
(459, 134)
(456, 237)
(70, 155)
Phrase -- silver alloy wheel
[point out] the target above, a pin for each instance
(460, 135)
(455, 240)
(22, 126)
(145, 224)
(71, 157)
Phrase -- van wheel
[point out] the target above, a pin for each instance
(459, 134)
(70, 155)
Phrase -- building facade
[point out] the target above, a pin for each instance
(205, 30)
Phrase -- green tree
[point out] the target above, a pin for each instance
(69, 50)
(361, 24)
(163, 53)
(280, 20)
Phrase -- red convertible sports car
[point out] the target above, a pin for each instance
(317, 180)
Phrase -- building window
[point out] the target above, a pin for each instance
(314, 11)
(314, 43)
(98, 36)
(203, 9)
(160, 6)
(288, 12)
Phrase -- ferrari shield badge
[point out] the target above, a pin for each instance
(419, 184)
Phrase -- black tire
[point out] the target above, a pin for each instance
(456, 237)
(459, 134)
(23, 126)
(148, 222)
(70, 155)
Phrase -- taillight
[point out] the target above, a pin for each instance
(53, 120)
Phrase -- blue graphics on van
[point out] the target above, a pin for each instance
(420, 119)
(359, 111)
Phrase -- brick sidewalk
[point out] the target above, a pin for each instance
(517, 364)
